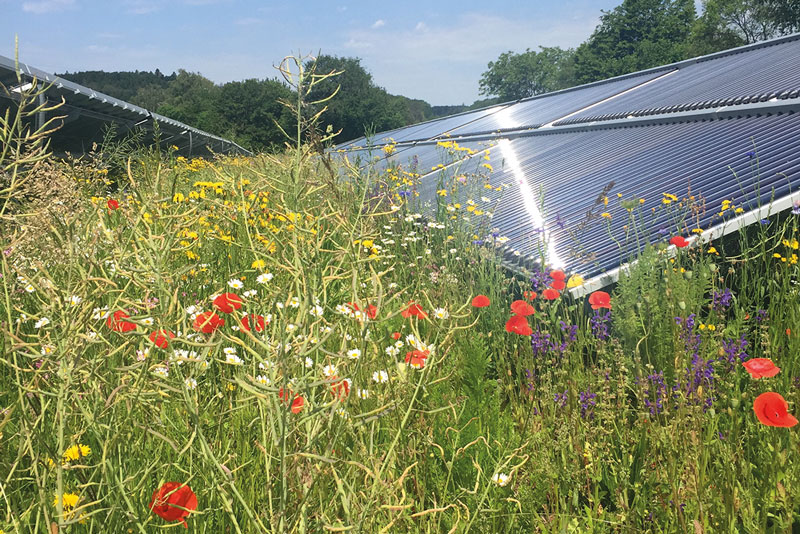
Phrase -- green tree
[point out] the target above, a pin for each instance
(360, 105)
(754, 20)
(636, 35)
(251, 109)
(194, 100)
(513, 76)
(711, 33)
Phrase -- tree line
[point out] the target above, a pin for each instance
(636, 35)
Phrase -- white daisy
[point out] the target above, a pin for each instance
(441, 313)
(74, 300)
(190, 383)
(47, 350)
(266, 365)
(501, 479)
(354, 354)
(162, 371)
(294, 302)
(235, 283)
(330, 371)
(362, 393)
(100, 313)
(250, 293)
(316, 311)
(263, 278)
(341, 412)
(148, 321)
(309, 363)
(380, 377)
(29, 288)
(44, 321)
(263, 380)
(233, 359)
(192, 310)
(391, 350)
(142, 354)
(229, 350)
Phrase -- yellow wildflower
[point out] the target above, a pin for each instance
(605, 215)
(258, 264)
(76, 451)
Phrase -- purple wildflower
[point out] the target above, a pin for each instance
(587, 400)
(721, 300)
(655, 393)
(734, 352)
(561, 399)
(600, 323)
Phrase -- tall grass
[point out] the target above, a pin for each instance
(637, 421)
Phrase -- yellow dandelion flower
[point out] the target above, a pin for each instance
(258, 264)
(178, 197)
(76, 451)
(605, 215)
(68, 500)
(488, 166)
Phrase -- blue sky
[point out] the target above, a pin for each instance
(420, 49)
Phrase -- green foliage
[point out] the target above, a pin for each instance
(128, 86)
(636, 35)
(250, 110)
(359, 105)
(514, 76)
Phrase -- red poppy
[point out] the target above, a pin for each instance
(550, 294)
(761, 368)
(557, 275)
(396, 335)
(259, 323)
(520, 307)
(481, 301)
(173, 502)
(518, 324)
(227, 302)
(600, 299)
(340, 388)
(160, 338)
(679, 241)
(297, 402)
(417, 358)
(558, 285)
(207, 322)
(116, 322)
(772, 410)
(372, 311)
(414, 309)
(530, 295)
(112, 204)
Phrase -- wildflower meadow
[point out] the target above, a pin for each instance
(297, 343)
